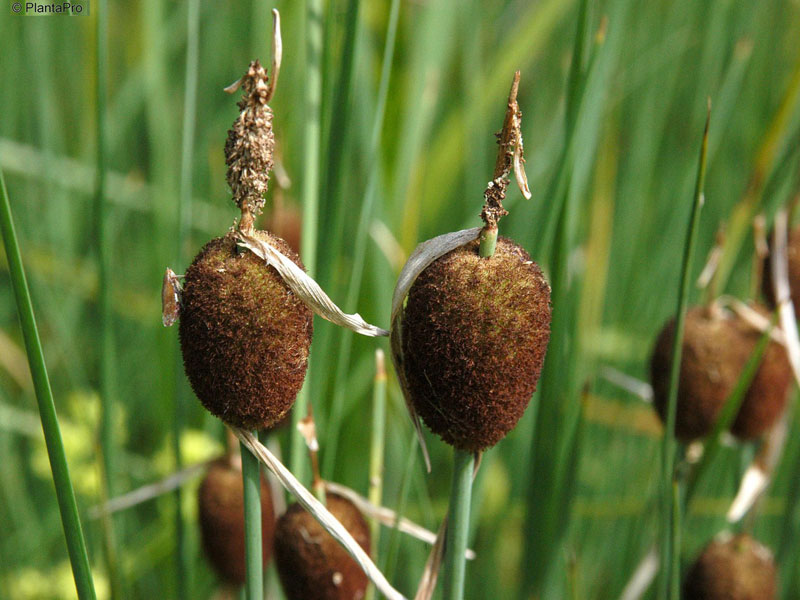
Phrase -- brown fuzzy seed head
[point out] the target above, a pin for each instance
(311, 564)
(474, 337)
(716, 347)
(738, 568)
(244, 335)
(793, 260)
(251, 143)
(221, 512)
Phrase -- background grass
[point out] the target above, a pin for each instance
(566, 505)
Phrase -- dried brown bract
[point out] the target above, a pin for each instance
(311, 564)
(716, 347)
(221, 513)
(732, 568)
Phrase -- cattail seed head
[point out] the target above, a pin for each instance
(311, 564)
(474, 336)
(251, 143)
(732, 568)
(716, 347)
(244, 334)
(221, 512)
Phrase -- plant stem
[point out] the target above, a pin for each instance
(377, 445)
(184, 219)
(311, 160)
(458, 526)
(106, 374)
(251, 478)
(668, 548)
(73, 533)
(488, 242)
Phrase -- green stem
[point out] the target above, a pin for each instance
(458, 526)
(675, 567)
(377, 444)
(184, 219)
(251, 478)
(668, 542)
(311, 163)
(73, 533)
(488, 242)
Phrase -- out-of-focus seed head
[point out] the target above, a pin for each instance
(311, 564)
(474, 336)
(251, 143)
(244, 334)
(716, 347)
(732, 568)
(221, 512)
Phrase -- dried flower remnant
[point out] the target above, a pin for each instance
(251, 144)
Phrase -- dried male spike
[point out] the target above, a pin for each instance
(251, 143)
(244, 334)
(474, 336)
(732, 568)
(311, 564)
(716, 347)
(221, 512)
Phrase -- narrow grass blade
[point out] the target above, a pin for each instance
(251, 477)
(47, 410)
(377, 446)
(668, 550)
(458, 525)
(311, 177)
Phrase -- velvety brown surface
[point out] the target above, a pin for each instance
(474, 335)
(715, 351)
(736, 569)
(244, 335)
(793, 259)
(311, 564)
(221, 512)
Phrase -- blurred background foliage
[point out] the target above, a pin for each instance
(565, 507)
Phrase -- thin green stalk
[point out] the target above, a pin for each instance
(377, 444)
(488, 242)
(184, 219)
(668, 548)
(675, 568)
(361, 236)
(389, 563)
(311, 177)
(251, 478)
(73, 533)
(107, 362)
(458, 525)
